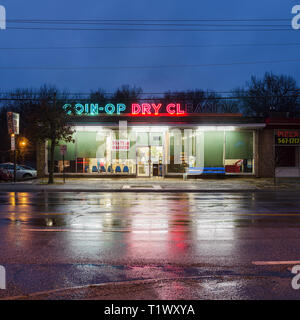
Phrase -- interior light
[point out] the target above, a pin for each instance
(150, 129)
(216, 128)
(89, 128)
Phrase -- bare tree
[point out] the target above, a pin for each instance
(49, 122)
(273, 93)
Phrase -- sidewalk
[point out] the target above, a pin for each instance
(151, 185)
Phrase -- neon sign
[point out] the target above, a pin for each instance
(287, 137)
(144, 109)
(94, 109)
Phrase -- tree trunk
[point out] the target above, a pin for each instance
(51, 168)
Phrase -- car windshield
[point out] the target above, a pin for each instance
(6, 166)
(27, 168)
(9, 166)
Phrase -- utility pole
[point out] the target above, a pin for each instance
(64, 178)
(13, 120)
(51, 171)
(13, 148)
(15, 166)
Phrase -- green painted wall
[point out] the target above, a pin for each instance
(86, 144)
(239, 145)
(213, 148)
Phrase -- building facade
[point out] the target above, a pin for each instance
(279, 148)
(153, 139)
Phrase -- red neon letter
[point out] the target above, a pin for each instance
(156, 108)
(146, 108)
(179, 111)
(135, 108)
(170, 108)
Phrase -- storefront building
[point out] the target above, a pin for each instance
(152, 139)
(279, 148)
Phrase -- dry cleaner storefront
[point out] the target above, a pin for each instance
(153, 139)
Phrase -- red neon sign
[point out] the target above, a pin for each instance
(147, 109)
(288, 133)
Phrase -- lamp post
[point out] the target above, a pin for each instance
(13, 120)
(13, 147)
(22, 143)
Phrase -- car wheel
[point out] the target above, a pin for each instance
(27, 176)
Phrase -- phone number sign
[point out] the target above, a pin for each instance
(287, 137)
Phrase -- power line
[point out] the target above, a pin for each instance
(141, 93)
(145, 29)
(150, 24)
(153, 46)
(172, 96)
(149, 67)
(151, 98)
(151, 20)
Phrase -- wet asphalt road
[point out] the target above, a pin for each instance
(204, 243)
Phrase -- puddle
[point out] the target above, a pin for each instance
(142, 187)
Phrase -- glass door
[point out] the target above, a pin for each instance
(157, 161)
(143, 161)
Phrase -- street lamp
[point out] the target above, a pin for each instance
(23, 144)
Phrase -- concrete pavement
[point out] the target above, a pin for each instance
(151, 185)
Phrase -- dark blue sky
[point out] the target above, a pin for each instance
(220, 78)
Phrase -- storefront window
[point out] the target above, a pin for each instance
(142, 139)
(239, 152)
(176, 152)
(186, 149)
(214, 149)
(156, 139)
(120, 159)
(156, 151)
(70, 158)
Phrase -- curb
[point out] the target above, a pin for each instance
(99, 285)
(141, 190)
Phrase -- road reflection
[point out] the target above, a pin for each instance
(137, 226)
(73, 239)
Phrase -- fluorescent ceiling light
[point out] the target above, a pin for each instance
(216, 128)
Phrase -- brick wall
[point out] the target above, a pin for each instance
(266, 153)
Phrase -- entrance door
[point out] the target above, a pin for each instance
(157, 160)
(143, 161)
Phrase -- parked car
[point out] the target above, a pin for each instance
(5, 175)
(22, 172)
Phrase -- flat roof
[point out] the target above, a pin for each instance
(162, 120)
